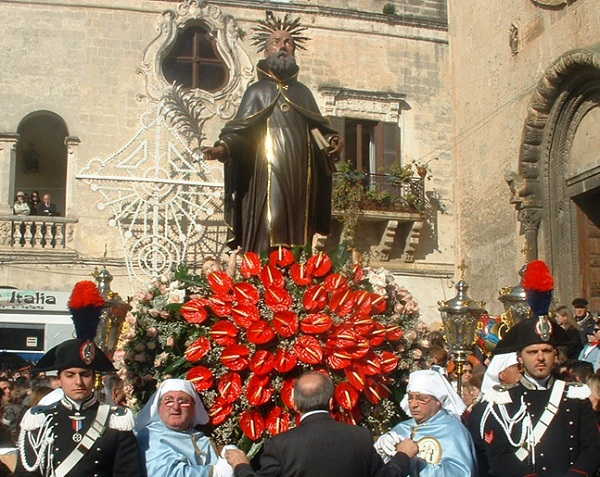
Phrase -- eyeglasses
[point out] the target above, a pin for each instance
(182, 402)
(420, 398)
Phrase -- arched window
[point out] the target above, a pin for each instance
(41, 157)
(195, 62)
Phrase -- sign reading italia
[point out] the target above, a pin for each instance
(49, 301)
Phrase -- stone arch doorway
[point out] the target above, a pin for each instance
(559, 165)
(41, 156)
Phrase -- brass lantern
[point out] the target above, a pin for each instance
(514, 301)
(460, 316)
(113, 316)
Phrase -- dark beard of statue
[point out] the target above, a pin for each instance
(282, 63)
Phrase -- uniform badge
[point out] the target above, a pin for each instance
(543, 328)
(87, 352)
(77, 423)
(488, 437)
(430, 450)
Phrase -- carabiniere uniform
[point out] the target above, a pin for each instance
(59, 435)
(82, 438)
(569, 433)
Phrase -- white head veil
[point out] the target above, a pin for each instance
(434, 384)
(150, 411)
(499, 363)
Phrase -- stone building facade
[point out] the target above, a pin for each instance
(525, 80)
(89, 115)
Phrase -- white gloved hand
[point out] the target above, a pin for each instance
(222, 469)
(226, 448)
(386, 445)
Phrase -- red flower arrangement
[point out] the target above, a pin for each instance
(247, 340)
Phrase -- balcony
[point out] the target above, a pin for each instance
(380, 212)
(30, 232)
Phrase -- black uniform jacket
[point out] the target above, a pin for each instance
(569, 447)
(115, 453)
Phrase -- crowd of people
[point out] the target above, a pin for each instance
(34, 205)
(491, 430)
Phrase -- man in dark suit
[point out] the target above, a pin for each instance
(321, 446)
(46, 207)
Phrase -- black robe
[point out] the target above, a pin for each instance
(277, 183)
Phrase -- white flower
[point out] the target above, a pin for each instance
(176, 296)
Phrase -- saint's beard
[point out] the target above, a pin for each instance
(282, 63)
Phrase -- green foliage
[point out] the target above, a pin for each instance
(390, 9)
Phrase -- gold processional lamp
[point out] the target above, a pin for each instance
(112, 318)
(460, 316)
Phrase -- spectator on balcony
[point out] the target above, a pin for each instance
(34, 201)
(21, 207)
(46, 207)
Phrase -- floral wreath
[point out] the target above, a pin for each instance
(243, 341)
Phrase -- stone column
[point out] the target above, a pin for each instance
(72, 143)
(8, 148)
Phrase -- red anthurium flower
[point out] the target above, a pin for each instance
(219, 411)
(389, 362)
(246, 293)
(319, 265)
(370, 364)
(197, 350)
(316, 323)
(258, 391)
(223, 333)
(351, 416)
(357, 270)
(230, 387)
(285, 323)
(308, 349)
(362, 347)
(378, 304)
(286, 392)
(300, 275)
(277, 421)
(335, 282)
(278, 299)
(375, 390)
(244, 314)
(363, 324)
(201, 377)
(235, 357)
(355, 376)
(393, 333)
(343, 337)
(377, 334)
(285, 361)
(252, 424)
(282, 257)
(220, 282)
(363, 302)
(272, 277)
(339, 359)
(262, 362)
(260, 332)
(315, 298)
(342, 302)
(346, 395)
(221, 305)
(250, 266)
(194, 312)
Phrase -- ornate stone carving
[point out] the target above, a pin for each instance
(376, 106)
(222, 103)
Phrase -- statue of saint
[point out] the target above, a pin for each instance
(278, 151)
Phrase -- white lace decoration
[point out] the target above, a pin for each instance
(40, 442)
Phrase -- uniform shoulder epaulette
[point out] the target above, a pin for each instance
(578, 391)
(35, 417)
(499, 394)
(121, 419)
